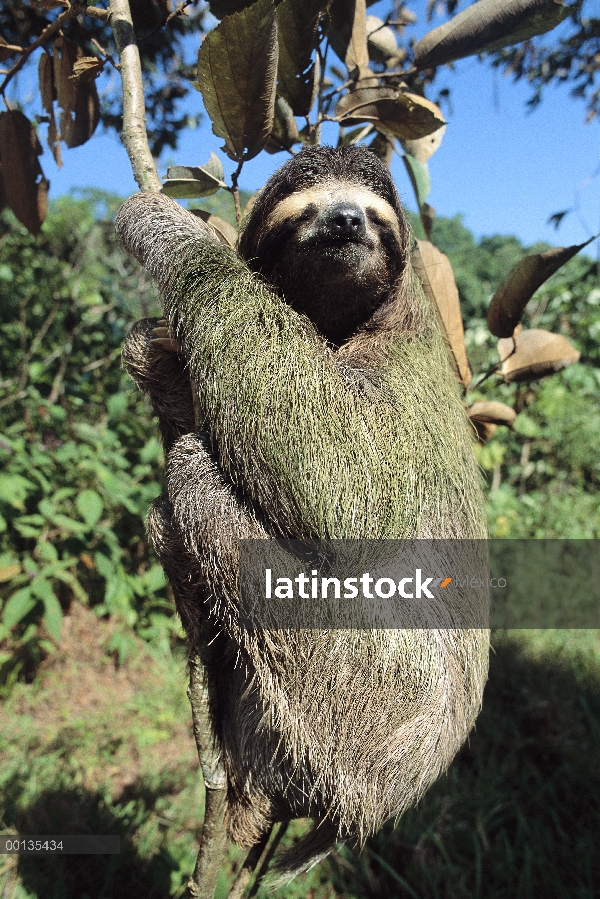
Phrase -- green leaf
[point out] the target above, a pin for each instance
(297, 74)
(237, 69)
(195, 181)
(154, 579)
(418, 172)
(17, 607)
(14, 489)
(90, 506)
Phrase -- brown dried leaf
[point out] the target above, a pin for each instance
(424, 148)
(538, 353)
(24, 186)
(435, 273)
(86, 68)
(7, 50)
(511, 298)
(487, 26)
(77, 99)
(297, 74)
(400, 113)
(237, 70)
(383, 148)
(224, 231)
(492, 413)
(48, 95)
(348, 33)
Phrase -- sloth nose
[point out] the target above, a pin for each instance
(345, 220)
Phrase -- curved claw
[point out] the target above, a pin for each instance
(161, 338)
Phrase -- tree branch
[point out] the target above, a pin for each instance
(134, 134)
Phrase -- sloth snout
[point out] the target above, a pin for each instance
(345, 221)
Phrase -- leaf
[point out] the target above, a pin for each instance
(224, 231)
(492, 412)
(8, 572)
(237, 69)
(419, 177)
(78, 99)
(405, 115)
(14, 489)
(90, 506)
(538, 353)
(222, 8)
(48, 94)
(511, 298)
(427, 213)
(285, 130)
(383, 148)
(86, 68)
(381, 41)
(487, 26)
(196, 181)
(435, 273)
(25, 189)
(52, 617)
(298, 33)
(423, 149)
(17, 607)
(348, 33)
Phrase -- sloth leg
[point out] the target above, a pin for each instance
(202, 520)
(156, 367)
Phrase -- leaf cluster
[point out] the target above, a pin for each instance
(79, 460)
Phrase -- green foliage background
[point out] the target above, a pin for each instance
(80, 463)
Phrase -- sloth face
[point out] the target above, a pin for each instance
(333, 252)
(328, 232)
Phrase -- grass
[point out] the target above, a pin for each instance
(93, 747)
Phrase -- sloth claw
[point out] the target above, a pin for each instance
(161, 338)
(166, 343)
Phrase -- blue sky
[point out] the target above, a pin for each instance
(504, 168)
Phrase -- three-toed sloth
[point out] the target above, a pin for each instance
(324, 407)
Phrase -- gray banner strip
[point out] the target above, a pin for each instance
(59, 844)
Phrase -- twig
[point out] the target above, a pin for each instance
(247, 870)
(46, 34)
(105, 55)
(214, 836)
(73, 10)
(236, 193)
(178, 11)
(134, 134)
(267, 858)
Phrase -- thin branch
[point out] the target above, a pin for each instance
(247, 870)
(134, 134)
(73, 10)
(46, 34)
(236, 193)
(213, 844)
(266, 859)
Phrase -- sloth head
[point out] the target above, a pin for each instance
(328, 233)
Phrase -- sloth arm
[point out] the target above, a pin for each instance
(287, 428)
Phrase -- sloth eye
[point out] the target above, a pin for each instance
(376, 219)
(306, 215)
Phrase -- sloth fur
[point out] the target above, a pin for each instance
(328, 409)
